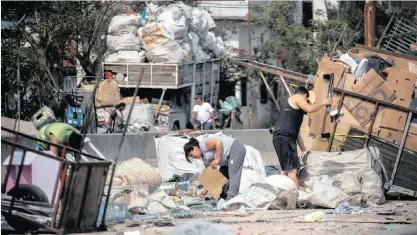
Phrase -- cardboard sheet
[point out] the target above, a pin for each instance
(213, 181)
(371, 85)
(395, 136)
(402, 83)
(393, 119)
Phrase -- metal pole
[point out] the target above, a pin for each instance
(249, 33)
(339, 108)
(270, 91)
(373, 117)
(120, 145)
(400, 150)
(160, 103)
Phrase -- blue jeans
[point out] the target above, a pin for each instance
(206, 125)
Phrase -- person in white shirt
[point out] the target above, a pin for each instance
(203, 114)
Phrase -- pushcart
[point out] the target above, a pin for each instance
(78, 193)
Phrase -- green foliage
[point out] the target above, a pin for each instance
(297, 46)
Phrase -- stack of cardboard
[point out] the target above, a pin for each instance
(394, 84)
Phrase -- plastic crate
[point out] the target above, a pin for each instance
(75, 116)
(44, 116)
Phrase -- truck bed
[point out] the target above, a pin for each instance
(170, 76)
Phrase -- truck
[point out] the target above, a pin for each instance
(171, 85)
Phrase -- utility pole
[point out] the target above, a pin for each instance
(249, 33)
(369, 22)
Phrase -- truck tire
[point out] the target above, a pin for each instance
(27, 192)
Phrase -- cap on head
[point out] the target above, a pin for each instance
(198, 97)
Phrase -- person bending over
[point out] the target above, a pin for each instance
(223, 151)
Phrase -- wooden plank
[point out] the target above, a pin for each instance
(93, 197)
(75, 195)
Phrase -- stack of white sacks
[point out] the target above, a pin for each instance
(176, 33)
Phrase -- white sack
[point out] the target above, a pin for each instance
(325, 194)
(153, 10)
(125, 42)
(188, 51)
(171, 158)
(209, 41)
(152, 35)
(174, 20)
(121, 24)
(141, 113)
(253, 169)
(170, 51)
(220, 48)
(126, 56)
(135, 172)
(201, 22)
(158, 202)
(198, 52)
(285, 190)
(365, 163)
(257, 196)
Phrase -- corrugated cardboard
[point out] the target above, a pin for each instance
(347, 82)
(412, 67)
(327, 66)
(320, 145)
(393, 119)
(402, 83)
(213, 181)
(394, 136)
(371, 85)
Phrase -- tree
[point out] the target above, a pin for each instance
(40, 36)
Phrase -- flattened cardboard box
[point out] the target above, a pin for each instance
(213, 181)
(394, 136)
(371, 85)
(402, 83)
(327, 66)
(394, 119)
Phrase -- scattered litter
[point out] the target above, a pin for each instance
(389, 227)
(132, 233)
(115, 213)
(317, 216)
(401, 204)
(346, 208)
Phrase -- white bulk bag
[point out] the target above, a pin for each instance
(125, 42)
(121, 24)
(126, 56)
(170, 51)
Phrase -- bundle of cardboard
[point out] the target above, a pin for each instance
(391, 79)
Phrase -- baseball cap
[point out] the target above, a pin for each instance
(198, 97)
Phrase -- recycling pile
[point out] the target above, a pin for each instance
(175, 33)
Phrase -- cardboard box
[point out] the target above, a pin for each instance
(403, 102)
(394, 136)
(371, 85)
(320, 145)
(327, 66)
(394, 119)
(401, 82)
(347, 82)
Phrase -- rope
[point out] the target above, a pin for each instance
(338, 134)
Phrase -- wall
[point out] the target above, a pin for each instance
(143, 146)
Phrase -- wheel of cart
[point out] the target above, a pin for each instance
(76, 198)
(25, 192)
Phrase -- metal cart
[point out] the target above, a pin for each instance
(77, 197)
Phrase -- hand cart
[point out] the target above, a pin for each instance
(73, 208)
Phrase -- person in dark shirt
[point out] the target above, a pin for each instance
(287, 128)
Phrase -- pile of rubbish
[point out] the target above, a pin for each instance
(143, 194)
(175, 33)
(378, 74)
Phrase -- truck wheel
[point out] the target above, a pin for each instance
(27, 192)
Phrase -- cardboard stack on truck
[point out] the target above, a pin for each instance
(379, 74)
(178, 51)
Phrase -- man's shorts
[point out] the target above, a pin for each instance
(286, 149)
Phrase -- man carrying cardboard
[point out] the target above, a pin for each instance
(287, 128)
